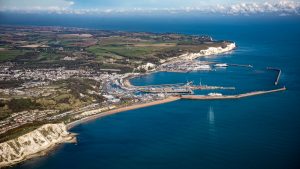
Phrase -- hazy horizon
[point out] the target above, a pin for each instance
(153, 7)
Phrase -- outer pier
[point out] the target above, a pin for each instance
(238, 96)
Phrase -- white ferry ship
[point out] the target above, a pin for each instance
(221, 65)
(215, 94)
(203, 67)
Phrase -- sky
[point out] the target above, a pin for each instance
(81, 7)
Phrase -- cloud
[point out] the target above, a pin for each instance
(35, 5)
(280, 8)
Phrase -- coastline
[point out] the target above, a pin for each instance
(127, 84)
(122, 109)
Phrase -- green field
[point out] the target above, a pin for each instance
(10, 54)
(121, 51)
(48, 56)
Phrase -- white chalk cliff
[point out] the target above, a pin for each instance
(207, 52)
(33, 143)
(146, 67)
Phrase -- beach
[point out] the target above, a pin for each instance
(122, 109)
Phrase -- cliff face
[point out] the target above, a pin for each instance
(33, 143)
(209, 51)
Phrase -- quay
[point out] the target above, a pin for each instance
(278, 74)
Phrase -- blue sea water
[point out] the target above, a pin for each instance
(250, 133)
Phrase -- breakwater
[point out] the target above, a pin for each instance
(238, 96)
(278, 74)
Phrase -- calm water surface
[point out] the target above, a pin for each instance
(255, 132)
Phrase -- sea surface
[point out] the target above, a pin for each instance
(251, 133)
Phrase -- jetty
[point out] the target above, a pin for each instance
(278, 74)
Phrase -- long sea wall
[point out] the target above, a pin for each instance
(34, 143)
